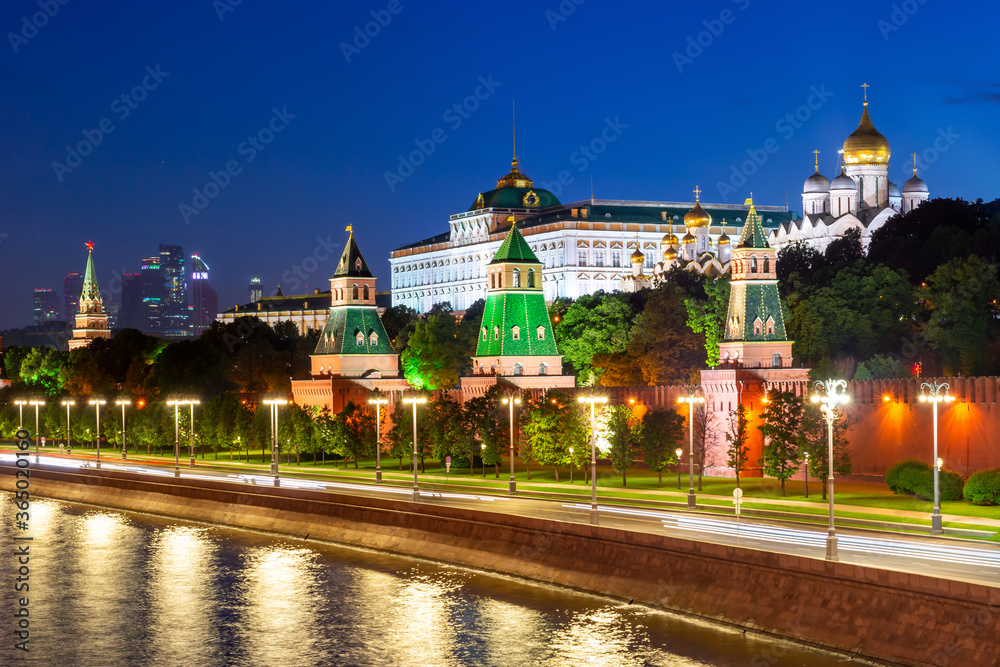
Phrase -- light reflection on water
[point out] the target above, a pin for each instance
(108, 588)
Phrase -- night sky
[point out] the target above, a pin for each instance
(679, 117)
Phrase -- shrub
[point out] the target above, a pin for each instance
(917, 478)
(983, 488)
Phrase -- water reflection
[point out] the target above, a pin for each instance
(112, 589)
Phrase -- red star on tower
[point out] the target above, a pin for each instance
(90, 245)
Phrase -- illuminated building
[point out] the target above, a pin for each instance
(72, 286)
(46, 306)
(860, 197)
(308, 312)
(91, 320)
(255, 290)
(205, 302)
(173, 305)
(151, 293)
(583, 247)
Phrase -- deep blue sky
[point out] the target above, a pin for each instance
(326, 169)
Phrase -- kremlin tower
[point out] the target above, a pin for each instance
(91, 320)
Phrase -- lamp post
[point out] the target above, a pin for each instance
(807, 474)
(36, 403)
(123, 402)
(482, 457)
(678, 452)
(191, 404)
(415, 401)
(177, 446)
(510, 402)
(593, 400)
(378, 403)
(570, 465)
(20, 413)
(935, 392)
(274, 403)
(68, 404)
(691, 399)
(97, 403)
(829, 403)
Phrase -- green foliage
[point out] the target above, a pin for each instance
(881, 367)
(438, 350)
(917, 478)
(708, 316)
(487, 420)
(41, 370)
(983, 488)
(962, 295)
(816, 443)
(597, 324)
(662, 431)
(353, 434)
(395, 319)
(782, 431)
(624, 438)
(737, 436)
(550, 425)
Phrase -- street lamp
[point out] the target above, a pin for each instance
(482, 457)
(593, 400)
(511, 401)
(274, 403)
(678, 452)
(20, 413)
(570, 465)
(123, 402)
(935, 392)
(378, 403)
(68, 404)
(177, 446)
(415, 401)
(691, 399)
(36, 403)
(834, 397)
(807, 474)
(97, 403)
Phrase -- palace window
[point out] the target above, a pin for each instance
(581, 258)
(598, 258)
(616, 258)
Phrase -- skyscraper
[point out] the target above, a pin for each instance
(46, 305)
(204, 299)
(131, 315)
(174, 317)
(72, 286)
(151, 294)
(255, 289)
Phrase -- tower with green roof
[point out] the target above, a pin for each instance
(755, 328)
(91, 321)
(354, 343)
(515, 336)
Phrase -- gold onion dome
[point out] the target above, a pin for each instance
(688, 238)
(669, 239)
(669, 254)
(515, 179)
(866, 145)
(697, 217)
(724, 239)
(637, 256)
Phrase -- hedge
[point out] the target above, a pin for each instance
(983, 488)
(917, 478)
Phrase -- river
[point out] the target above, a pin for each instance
(114, 588)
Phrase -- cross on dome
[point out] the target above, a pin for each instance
(697, 194)
(816, 153)
(866, 87)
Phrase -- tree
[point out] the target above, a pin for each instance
(659, 436)
(708, 316)
(354, 432)
(704, 425)
(487, 421)
(815, 442)
(846, 249)
(596, 324)
(782, 431)
(397, 318)
(737, 436)
(41, 370)
(446, 430)
(881, 367)
(436, 353)
(552, 423)
(623, 436)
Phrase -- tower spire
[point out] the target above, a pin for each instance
(914, 164)
(816, 153)
(513, 125)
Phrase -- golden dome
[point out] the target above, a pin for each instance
(669, 254)
(724, 239)
(669, 239)
(697, 217)
(866, 145)
(688, 238)
(637, 256)
(515, 179)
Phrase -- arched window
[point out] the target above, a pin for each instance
(515, 333)
(354, 293)
(496, 333)
(753, 265)
(516, 278)
(366, 292)
(758, 326)
(493, 281)
(484, 333)
(542, 369)
(531, 277)
(769, 327)
(518, 369)
(373, 339)
(776, 360)
(767, 265)
(540, 331)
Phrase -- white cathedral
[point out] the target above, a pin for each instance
(860, 197)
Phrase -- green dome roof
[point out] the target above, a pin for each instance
(515, 198)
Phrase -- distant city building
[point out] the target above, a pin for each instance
(91, 321)
(131, 315)
(72, 286)
(256, 290)
(584, 247)
(46, 306)
(151, 294)
(205, 302)
(308, 312)
(174, 304)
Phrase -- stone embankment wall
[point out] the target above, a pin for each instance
(898, 617)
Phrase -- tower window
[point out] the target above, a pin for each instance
(770, 325)
(757, 326)
(516, 277)
(776, 360)
(515, 333)
(496, 333)
(531, 277)
(484, 333)
(366, 292)
(373, 339)
(360, 338)
(541, 333)
(767, 265)
(518, 369)
(354, 293)
(753, 265)
(542, 369)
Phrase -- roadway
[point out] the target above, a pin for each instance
(948, 558)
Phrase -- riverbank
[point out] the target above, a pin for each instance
(895, 617)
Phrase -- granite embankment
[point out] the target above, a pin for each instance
(896, 617)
